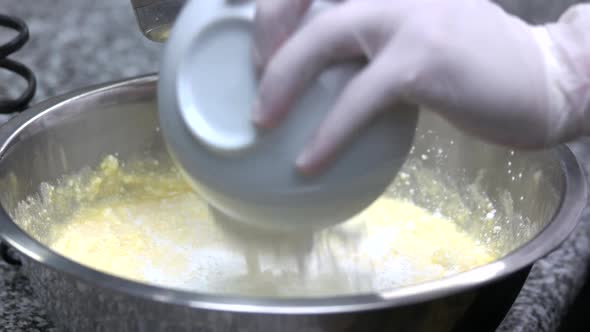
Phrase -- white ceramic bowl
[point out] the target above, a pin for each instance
(206, 90)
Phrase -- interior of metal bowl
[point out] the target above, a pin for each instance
(523, 191)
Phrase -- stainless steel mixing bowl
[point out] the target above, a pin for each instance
(541, 195)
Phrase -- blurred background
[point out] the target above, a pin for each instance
(75, 43)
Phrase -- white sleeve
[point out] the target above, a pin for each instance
(570, 38)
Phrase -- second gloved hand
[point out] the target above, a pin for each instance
(487, 72)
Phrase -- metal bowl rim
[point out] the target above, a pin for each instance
(555, 232)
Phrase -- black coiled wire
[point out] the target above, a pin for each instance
(20, 103)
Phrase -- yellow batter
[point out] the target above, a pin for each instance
(143, 222)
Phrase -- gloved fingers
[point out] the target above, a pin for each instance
(274, 22)
(580, 11)
(373, 90)
(329, 37)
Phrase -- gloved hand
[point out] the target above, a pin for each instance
(487, 72)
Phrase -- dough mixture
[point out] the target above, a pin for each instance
(143, 222)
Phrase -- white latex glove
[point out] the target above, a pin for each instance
(487, 72)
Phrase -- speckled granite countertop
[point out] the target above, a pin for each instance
(76, 43)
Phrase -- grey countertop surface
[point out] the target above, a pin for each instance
(76, 43)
